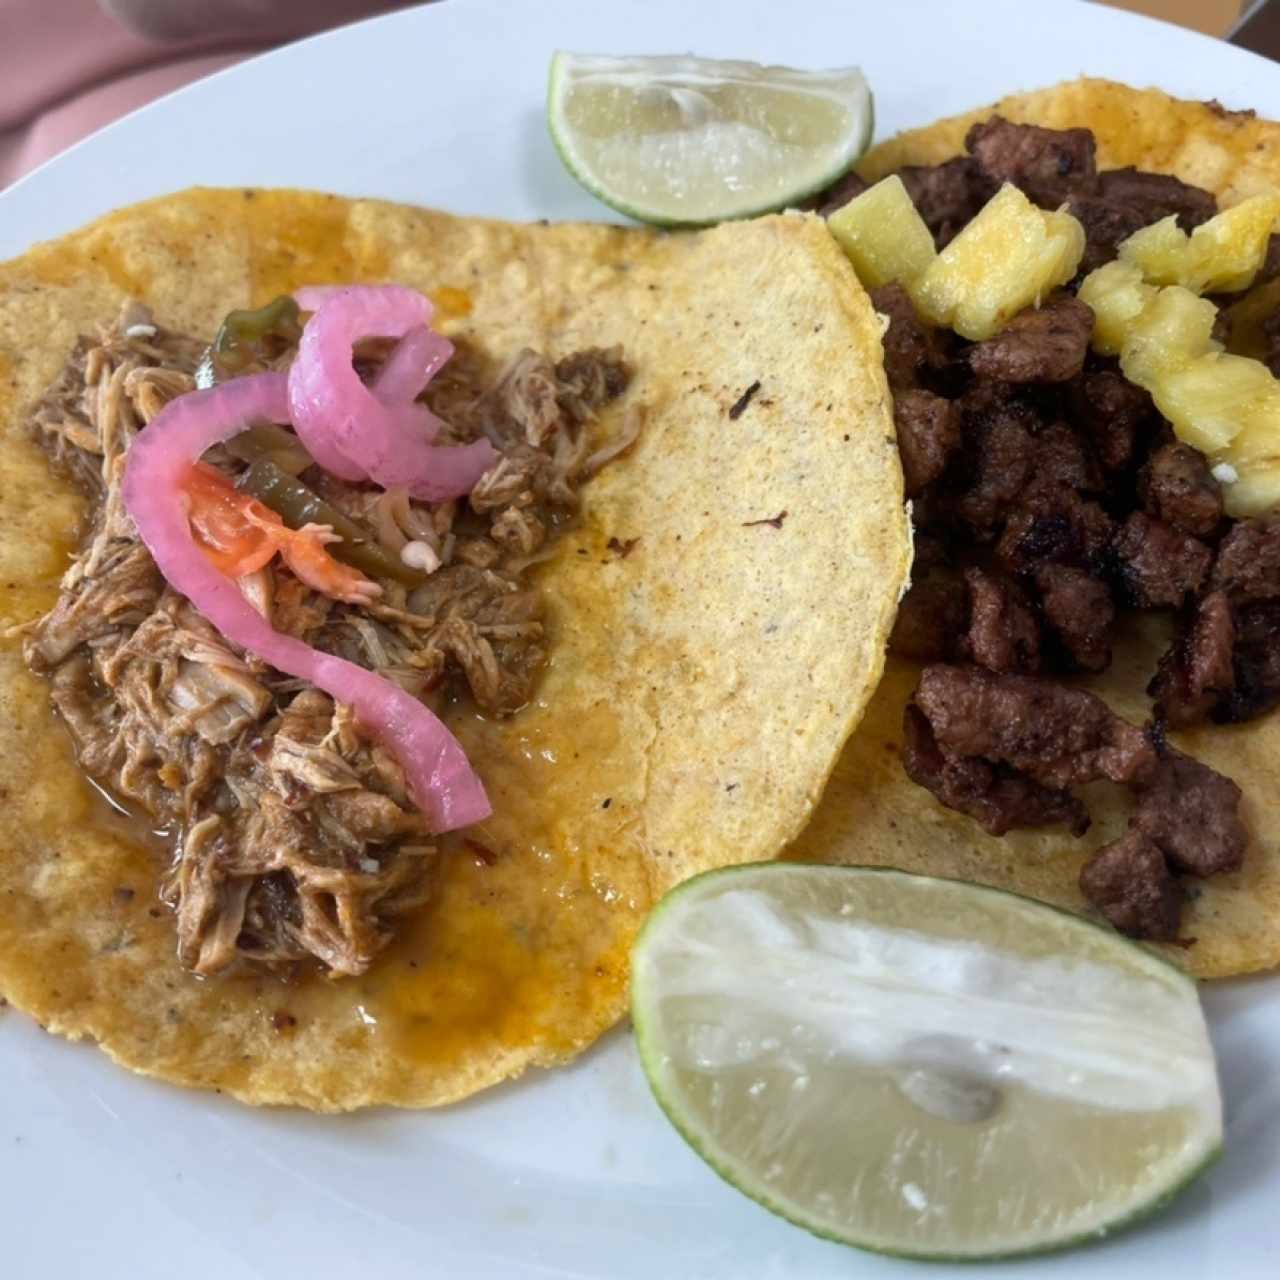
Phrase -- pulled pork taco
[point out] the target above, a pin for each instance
(1079, 702)
(403, 662)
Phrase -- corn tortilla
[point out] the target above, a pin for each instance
(872, 813)
(697, 696)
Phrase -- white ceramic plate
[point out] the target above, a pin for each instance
(574, 1173)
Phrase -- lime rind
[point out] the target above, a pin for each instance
(654, 1063)
(848, 156)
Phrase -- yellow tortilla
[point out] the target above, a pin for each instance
(701, 687)
(872, 813)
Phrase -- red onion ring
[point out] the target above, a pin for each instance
(439, 776)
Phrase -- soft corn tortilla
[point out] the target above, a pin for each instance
(701, 685)
(872, 813)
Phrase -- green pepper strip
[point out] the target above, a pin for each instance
(298, 505)
(273, 443)
(243, 337)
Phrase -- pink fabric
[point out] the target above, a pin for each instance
(68, 67)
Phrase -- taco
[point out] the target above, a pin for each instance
(1069, 545)
(618, 621)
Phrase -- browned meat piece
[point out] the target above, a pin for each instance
(1156, 563)
(1271, 331)
(1270, 268)
(1063, 461)
(947, 195)
(1124, 200)
(1107, 224)
(1198, 668)
(838, 194)
(1048, 164)
(1056, 525)
(1078, 609)
(931, 619)
(1015, 462)
(1248, 563)
(994, 795)
(1056, 735)
(932, 552)
(1003, 633)
(928, 429)
(1113, 413)
(1176, 486)
(1256, 665)
(1129, 882)
(1040, 344)
(1157, 195)
(909, 346)
(1000, 455)
(1192, 813)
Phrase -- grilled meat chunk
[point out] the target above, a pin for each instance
(1079, 612)
(1003, 633)
(1107, 225)
(928, 429)
(1129, 882)
(1056, 735)
(1248, 563)
(1198, 670)
(1048, 164)
(1192, 814)
(1157, 195)
(909, 347)
(1158, 564)
(1041, 344)
(1255, 663)
(1054, 524)
(947, 195)
(994, 795)
(1113, 414)
(1176, 486)
(931, 619)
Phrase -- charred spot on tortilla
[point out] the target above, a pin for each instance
(774, 522)
(739, 406)
(1063, 530)
(622, 547)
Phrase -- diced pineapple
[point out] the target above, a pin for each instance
(1158, 251)
(1258, 440)
(1222, 255)
(1225, 405)
(1117, 296)
(1007, 258)
(1210, 399)
(1256, 492)
(883, 234)
(1228, 251)
(1174, 327)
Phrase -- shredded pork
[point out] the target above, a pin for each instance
(293, 833)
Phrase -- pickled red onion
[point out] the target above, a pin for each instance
(439, 776)
(417, 358)
(380, 434)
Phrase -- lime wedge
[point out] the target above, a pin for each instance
(688, 141)
(922, 1066)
